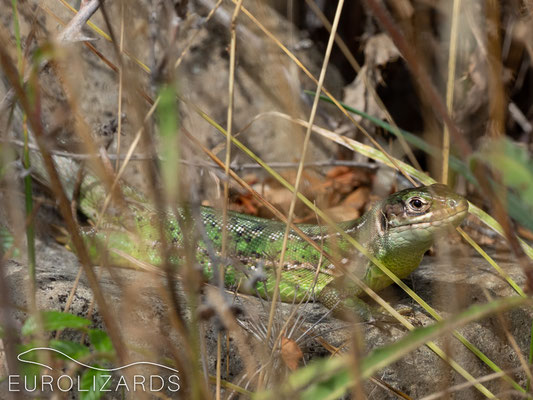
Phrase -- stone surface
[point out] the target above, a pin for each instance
(136, 302)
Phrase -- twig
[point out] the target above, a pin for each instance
(219, 278)
(325, 163)
(234, 166)
(300, 167)
(79, 156)
(520, 118)
(72, 32)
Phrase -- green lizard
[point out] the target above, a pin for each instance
(397, 231)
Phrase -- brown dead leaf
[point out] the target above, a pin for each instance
(311, 184)
(403, 8)
(246, 204)
(278, 196)
(343, 212)
(250, 179)
(337, 171)
(343, 179)
(358, 198)
(291, 353)
(379, 51)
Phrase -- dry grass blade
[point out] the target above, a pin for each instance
(231, 86)
(450, 88)
(300, 167)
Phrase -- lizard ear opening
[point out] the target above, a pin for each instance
(383, 223)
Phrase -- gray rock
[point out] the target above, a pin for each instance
(136, 301)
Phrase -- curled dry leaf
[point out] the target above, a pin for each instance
(379, 51)
(358, 198)
(342, 213)
(291, 353)
(344, 179)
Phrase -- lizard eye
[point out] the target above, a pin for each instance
(416, 203)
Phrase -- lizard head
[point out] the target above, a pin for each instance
(417, 215)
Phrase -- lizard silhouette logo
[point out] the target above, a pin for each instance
(101, 380)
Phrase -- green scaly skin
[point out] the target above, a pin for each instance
(397, 231)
